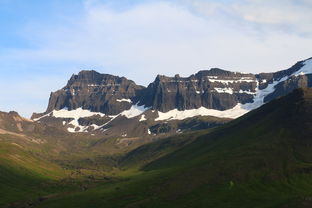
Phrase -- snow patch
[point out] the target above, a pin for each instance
(261, 94)
(224, 90)
(99, 127)
(175, 114)
(235, 112)
(246, 92)
(75, 115)
(134, 111)
(305, 69)
(46, 115)
(231, 91)
(227, 81)
(142, 118)
(124, 100)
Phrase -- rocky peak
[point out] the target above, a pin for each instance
(93, 78)
(87, 76)
(229, 94)
(213, 72)
(13, 122)
(216, 72)
(97, 92)
(214, 88)
(14, 113)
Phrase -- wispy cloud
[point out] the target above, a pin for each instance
(145, 38)
(291, 16)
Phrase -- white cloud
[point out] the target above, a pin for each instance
(168, 38)
(291, 15)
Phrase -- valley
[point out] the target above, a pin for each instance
(260, 159)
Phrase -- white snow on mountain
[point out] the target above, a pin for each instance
(76, 115)
(306, 69)
(134, 111)
(224, 90)
(226, 81)
(175, 114)
(124, 100)
(235, 112)
(231, 91)
(142, 118)
(239, 109)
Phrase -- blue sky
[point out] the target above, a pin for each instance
(42, 43)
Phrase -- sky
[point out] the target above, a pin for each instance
(42, 43)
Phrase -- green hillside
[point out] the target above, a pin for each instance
(24, 175)
(263, 159)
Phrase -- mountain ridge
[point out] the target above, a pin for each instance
(215, 92)
(262, 159)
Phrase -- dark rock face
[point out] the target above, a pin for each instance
(95, 92)
(215, 88)
(291, 83)
(160, 128)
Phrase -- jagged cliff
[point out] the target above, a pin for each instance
(96, 92)
(93, 101)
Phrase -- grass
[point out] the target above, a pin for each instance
(261, 160)
(21, 174)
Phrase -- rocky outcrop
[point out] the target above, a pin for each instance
(96, 92)
(122, 107)
(214, 89)
(13, 122)
(289, 82)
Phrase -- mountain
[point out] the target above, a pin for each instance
(13, 124)
(214, 89)
(262, 159)
(114, 106)
(96, 92)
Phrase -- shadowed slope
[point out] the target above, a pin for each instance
(263, 159)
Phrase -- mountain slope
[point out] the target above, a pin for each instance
(23, 173)
(263, 159)
(287, 118)
(266, 154)
(113, 106)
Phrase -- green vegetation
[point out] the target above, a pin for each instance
(22, 175)
(263, 159)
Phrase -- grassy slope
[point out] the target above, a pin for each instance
(22, 174)
(261, 160)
